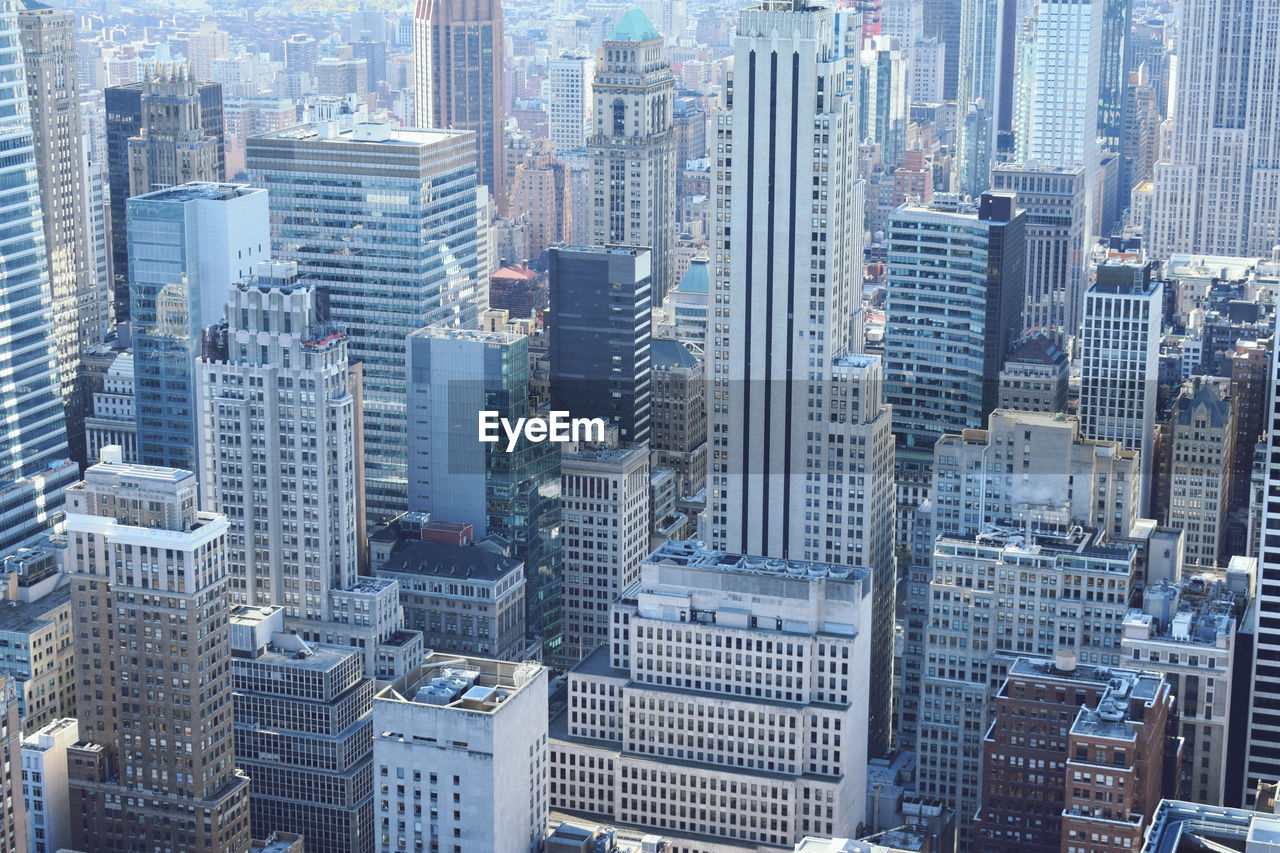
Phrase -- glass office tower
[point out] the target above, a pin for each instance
(34, 468)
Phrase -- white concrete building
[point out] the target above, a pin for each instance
(569, 99)
(114, 420)
(730, 702)
(460, 757)
(44, 785)
(1218, 150)
(604, 531)
(1120, 360)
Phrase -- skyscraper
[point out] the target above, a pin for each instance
(195, 119)
(1201, 455)
(458, 74)
(604, 492)
(34, 468)
(569, 101)
(632, 147)
(1119, 361)
(1058, 71)
(984, 92)
(453, 375)
(190, 242)
(598, 327)
(1264, 724)
(884, 98)
(1055, 199)
(149, 570)
(785, 390)
(411, 262)
(48, 48)
(1221, 153)
(966, 263)
(277, 379)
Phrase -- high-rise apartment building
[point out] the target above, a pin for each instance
(453, 376)
(984, 89)
(981, 586)
(1219, 154)
(884, 98)
(34, 463)
(303, 734)
(460, 757)
(337, 78)
(1055, 199)
(459, 79)
(195, 119)
(187, 244)
(49, 51)
(1119, 360)
(398, 272)
(1201, 457)
(276, 378)
(965, 262)
(599, 330)
(149, 580)
(777, 648)
(569, 99)
(604, 493)
(632, 147)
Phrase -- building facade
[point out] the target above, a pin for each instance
(79, 306)
(1201, 457)
(632, 147)
(1217, 155)
(1119, 361)
(798, 767)
(1035, 376)
(604, 492)
(429, 180)
(114, 418)
(44, 785)
(569, 99)
(460, 757)
(146, 564)
(189, 243)
(303, 734)
(275, 379)
(35, 465)
(967, 263)
(678, 438)
(599, 331)
(511, 492)
(459, 79)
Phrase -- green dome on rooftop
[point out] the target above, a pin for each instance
(634, 26)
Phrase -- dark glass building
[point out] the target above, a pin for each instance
(599, 331)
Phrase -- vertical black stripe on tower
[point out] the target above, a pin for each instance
(791, 304)
(768, 302)
(745, 491)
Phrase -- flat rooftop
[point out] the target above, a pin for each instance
(694, 554)
(363, 134)
(23, 617)
(199, 191)
(456, 562)
(462, 683)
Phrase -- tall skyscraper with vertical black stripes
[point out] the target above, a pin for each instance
(801, 443)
